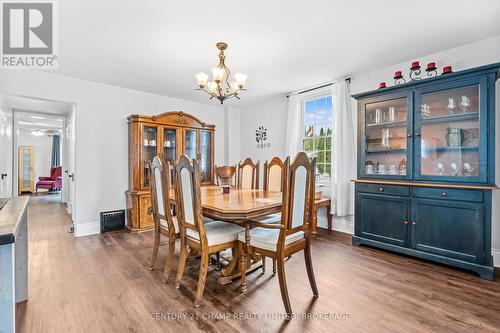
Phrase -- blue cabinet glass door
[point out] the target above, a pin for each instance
(450, 132)
(386, 144)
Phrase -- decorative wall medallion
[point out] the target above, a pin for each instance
(261, 138)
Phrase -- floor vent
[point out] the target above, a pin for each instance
(114, 220)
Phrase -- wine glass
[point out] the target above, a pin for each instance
(465, 104)
(454, 169)
(467, 169)
(452, 105)
(440, 168)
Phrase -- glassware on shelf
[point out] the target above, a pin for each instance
(452, 106)
(402, 168)
(467, 169)
(425, 110)
(455, 137)
(146, 142)
(392, 170)
(369, 169)
(378, 116)
(465, 104)
(385, 138)
(389, 116)
(381, 169)
(440, 168)
(454, 169)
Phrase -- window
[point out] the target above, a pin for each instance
(317, 139)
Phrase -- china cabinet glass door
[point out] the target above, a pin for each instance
(205, 160)
(170, 144)
(150, 139)
(386, 144)
(191, 143)
(449, 134)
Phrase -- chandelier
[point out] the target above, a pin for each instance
(221, 88)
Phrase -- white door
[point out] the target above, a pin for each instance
(69, 172)
(6, 153)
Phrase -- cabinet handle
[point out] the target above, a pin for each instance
(409, 135)
(150, 210)
(417, 134)
(381, 189)
(444, 194)
(414, 223)
(405, 222)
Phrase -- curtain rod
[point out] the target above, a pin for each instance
(347, 79)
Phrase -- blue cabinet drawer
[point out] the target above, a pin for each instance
(384, 189)
(447, 194)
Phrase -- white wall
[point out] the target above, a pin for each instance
(467, 56)
(43, 151)
(101, 133)
(6, 138)
(272, 115)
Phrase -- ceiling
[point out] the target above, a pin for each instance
(158, 46)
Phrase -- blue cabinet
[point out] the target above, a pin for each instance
(426, 168)
(448, 228)
(383, 218)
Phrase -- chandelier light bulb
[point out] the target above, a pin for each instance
(240, 79)
(218, 74)
(202, 79)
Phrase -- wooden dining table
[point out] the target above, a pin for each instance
(239, 206)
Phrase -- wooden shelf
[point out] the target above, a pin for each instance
(388, 124)
(450, 149)
(451, 117)
(386, 151)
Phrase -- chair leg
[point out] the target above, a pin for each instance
(274, 266)
(263, 264)
(182, 263)
(170, 258)
(201, 278)
(283, 288)
(156, 246)
(310, 271)
(243, 267)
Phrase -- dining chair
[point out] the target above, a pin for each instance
(225, 175)
(206, 238)
(274, 176)
(293, 234)
(165, 223)
(248, 174)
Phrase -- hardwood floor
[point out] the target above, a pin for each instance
(101, 284)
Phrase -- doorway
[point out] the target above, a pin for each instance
(37, 144)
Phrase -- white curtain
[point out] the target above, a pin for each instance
(343, 150)
(294, 127)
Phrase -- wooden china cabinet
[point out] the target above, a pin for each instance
(168, 135)
(426, 168)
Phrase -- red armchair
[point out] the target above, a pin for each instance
(52, 183)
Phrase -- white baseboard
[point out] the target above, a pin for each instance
(85, 229)
(343, 225)
(496, 257)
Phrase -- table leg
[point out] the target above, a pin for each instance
(329, 216)
(228, 273)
